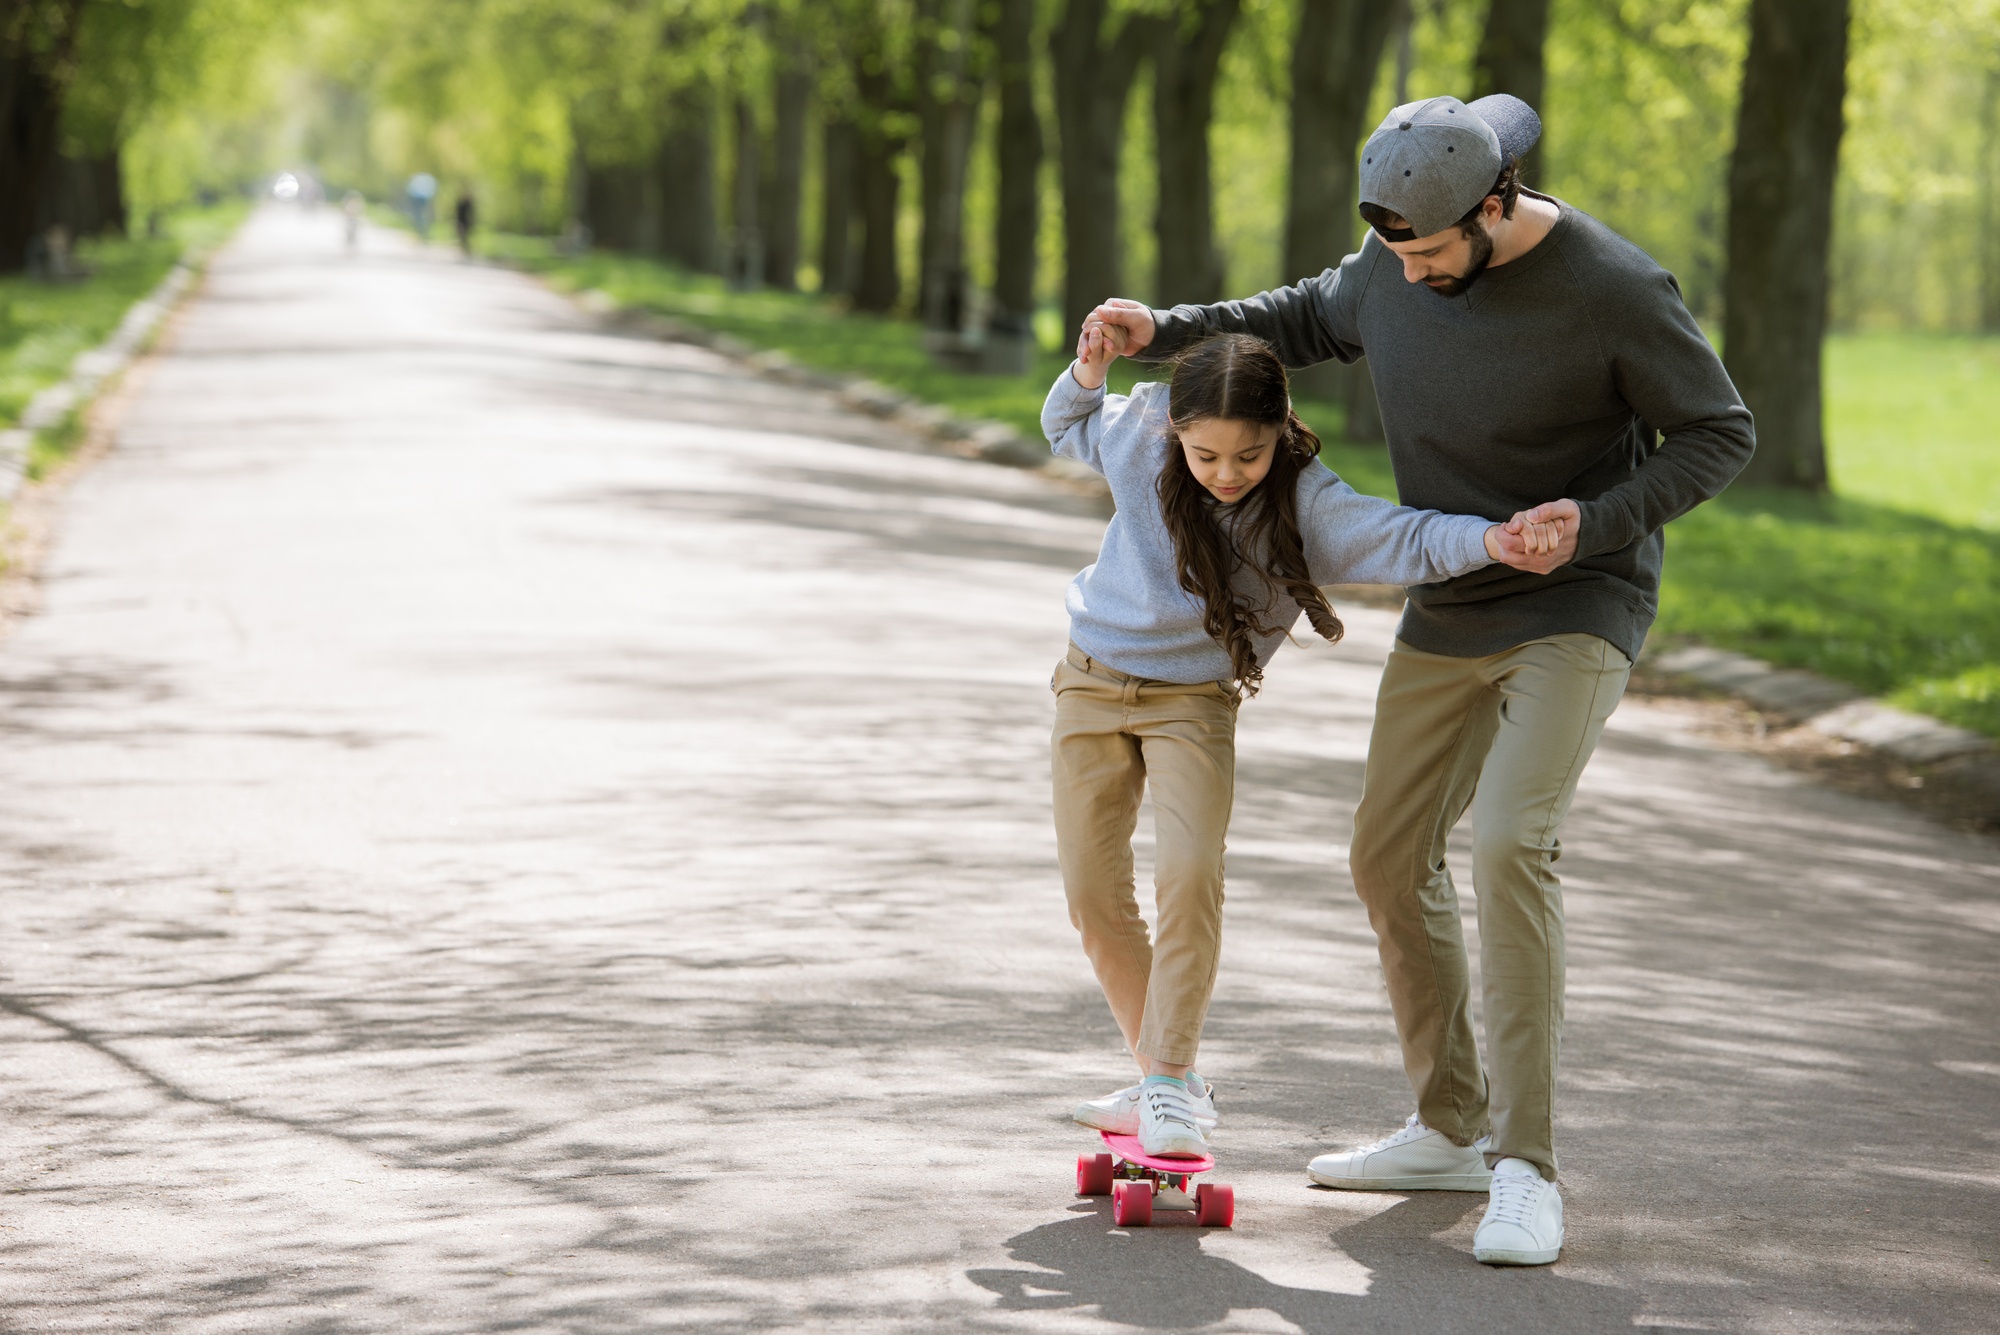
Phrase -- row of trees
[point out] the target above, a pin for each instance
(77, 78)
(967, 161)
(691, 121)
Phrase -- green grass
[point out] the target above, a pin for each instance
(1913, 421)
(44, 325)
(1897, 603)
(1893, 586)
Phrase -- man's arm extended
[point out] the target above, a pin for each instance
(1667, 371)
(1309, 322)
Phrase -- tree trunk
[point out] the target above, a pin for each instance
(686, 174)
(1187, 53)
(785, 183)
(1018, 211)
(614, 202)
(1093, 79)
(1336, 51)
(1989, 204)
(837, 173)
(1334, 59)
(34, 76)
(879, 284)
(1510, 51)
(84, 196)
(949, 87)
(1781, 179)
(746, 268)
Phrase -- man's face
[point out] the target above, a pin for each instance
(1446, 262)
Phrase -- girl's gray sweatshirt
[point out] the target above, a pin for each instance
(1129, 610)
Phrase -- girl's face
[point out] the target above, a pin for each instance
(1229, 458)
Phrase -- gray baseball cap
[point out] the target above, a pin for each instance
(1431, 161)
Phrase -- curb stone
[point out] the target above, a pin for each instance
(967, 438)
(1957, 755)
(87, 374)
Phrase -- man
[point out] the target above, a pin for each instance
(1520, 349)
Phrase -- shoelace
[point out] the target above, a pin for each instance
(1515, 1196)
(1411, 1130)
(1171, 1105)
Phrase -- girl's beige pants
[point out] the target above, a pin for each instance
(1115, 734)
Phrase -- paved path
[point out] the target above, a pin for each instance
(505, 827)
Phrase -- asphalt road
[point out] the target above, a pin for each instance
(506, 827)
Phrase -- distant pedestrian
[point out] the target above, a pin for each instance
(1519, 348)
(352, 206)
(462, 216)
(1226, 525)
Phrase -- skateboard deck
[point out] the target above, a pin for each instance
(1129, 1149)
(1140, 1183)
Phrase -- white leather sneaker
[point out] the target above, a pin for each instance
(1118, 1112)
(1414, 1159)
(1167, 1125)
(1524, 1220)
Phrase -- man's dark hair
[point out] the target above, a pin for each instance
(1507, 185)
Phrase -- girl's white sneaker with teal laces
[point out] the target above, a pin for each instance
(1118, 1112)
(1524, 1218)
(1167, 1125)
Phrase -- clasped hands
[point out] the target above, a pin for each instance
(1537, 540)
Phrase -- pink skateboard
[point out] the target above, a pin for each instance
(1140, 1183)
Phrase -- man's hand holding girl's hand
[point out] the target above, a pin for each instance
(1096, 346)
(1537, 540)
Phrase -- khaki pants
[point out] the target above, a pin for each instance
(1507, 735)
(1114, 734)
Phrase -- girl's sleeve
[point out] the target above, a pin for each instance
(1080, 422)
(1356, 539)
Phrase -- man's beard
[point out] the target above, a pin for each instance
(1482, 255)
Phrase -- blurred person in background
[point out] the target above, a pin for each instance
(351, 207)
(463, 216)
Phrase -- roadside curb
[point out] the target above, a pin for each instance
(1955, 756)
(965, 437)
(89, 372)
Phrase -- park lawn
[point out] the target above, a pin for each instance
(44, 325)
(1893, 586)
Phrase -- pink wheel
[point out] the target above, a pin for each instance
(1132, 1204)
(1093, 1174)
(1214, 1205)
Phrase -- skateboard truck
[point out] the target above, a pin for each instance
(1139, 1183)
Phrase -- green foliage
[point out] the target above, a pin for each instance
(44, 325)
(1641, 113)
(1907, 221)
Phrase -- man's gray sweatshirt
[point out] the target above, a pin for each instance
(1548, 378)
(1129, 610)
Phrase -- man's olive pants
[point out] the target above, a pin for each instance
(1507, 735)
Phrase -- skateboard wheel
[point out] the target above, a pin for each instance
(1214, 1205)
(1132, 1204)
(1093, 1174)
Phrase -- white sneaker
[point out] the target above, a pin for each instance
(1167, 1125)
(1414, 1159)
(1118, 1112)
(1524, 1220)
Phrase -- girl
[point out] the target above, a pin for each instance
(1226, 525)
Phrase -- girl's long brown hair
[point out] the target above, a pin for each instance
(1237, 378)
